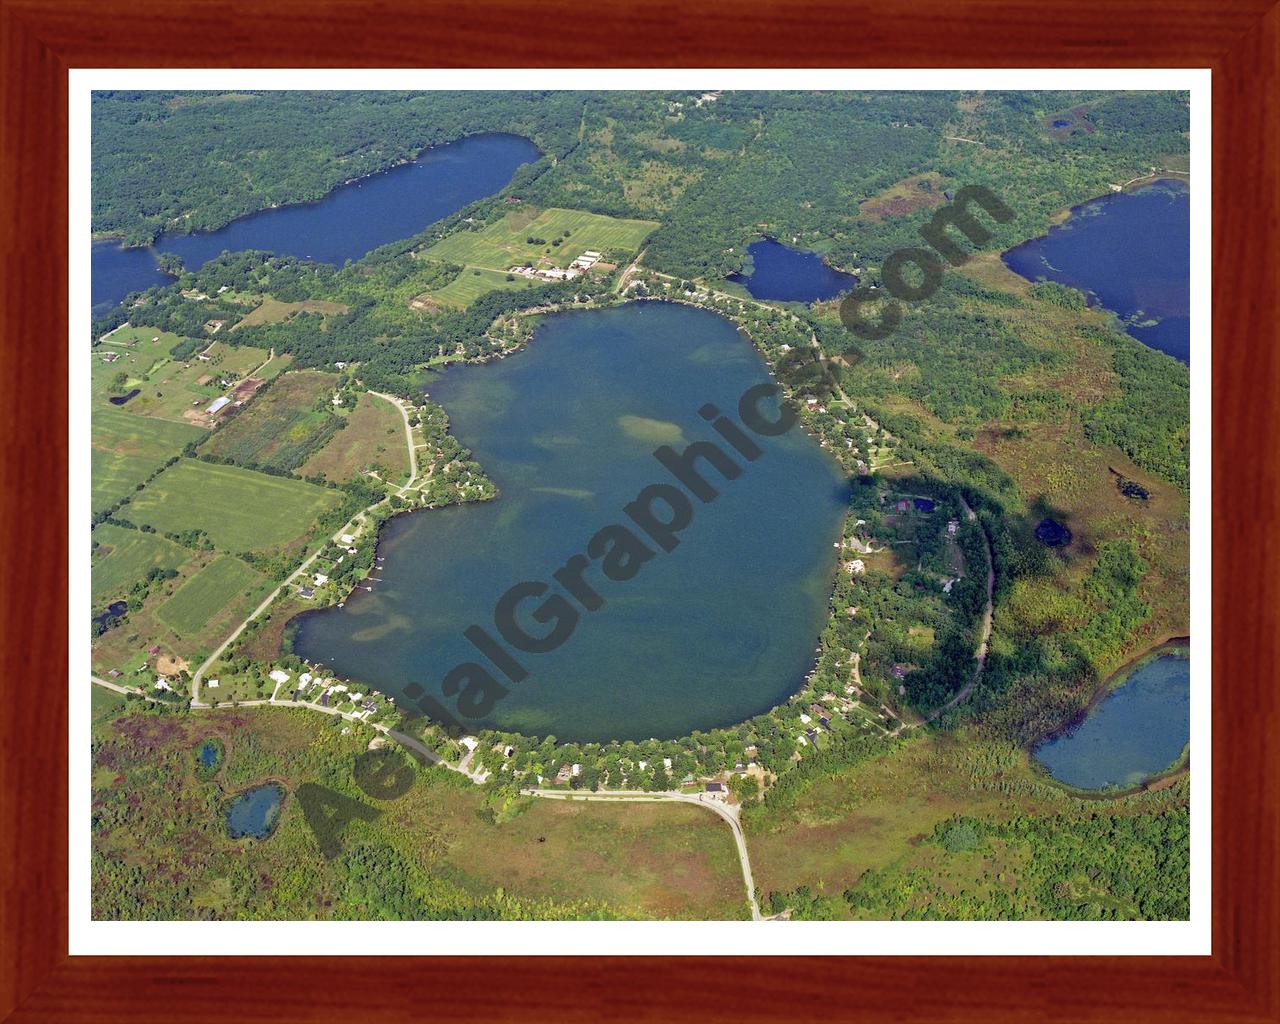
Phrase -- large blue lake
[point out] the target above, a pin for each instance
(784, 274)
(1137, 730)
(345, 225)
(1129, 252)
(720, 628)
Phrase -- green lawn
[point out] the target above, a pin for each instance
(504, 243)
(127, 449)
(209, 591)
(130, 556)
(240, 509)
(474, 282)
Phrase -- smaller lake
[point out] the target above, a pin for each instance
(1129, 252)
(791, 275)
(114, 610)
(255, 812)
(1137, 730)
(349, 222)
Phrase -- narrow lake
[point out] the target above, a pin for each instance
(708, 634)
(344, 225)
(255, 812)
(1129, 252)
(784, 274)
(1137, 730)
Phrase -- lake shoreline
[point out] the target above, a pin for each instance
(96, 237)
(831, 574)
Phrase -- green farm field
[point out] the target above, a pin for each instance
(127, 556)
(127, 449)
(206, 594)
(474, 282)
(240, 509)
(503, 244)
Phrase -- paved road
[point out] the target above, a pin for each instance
(727, 811)
(413, 744)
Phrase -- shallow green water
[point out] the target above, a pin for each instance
(712, 632)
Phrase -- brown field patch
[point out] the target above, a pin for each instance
(273, 311)
(169, 664)
(373, 439)
(918, 192)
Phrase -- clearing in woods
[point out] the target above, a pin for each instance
(273, 311)
(506, 243)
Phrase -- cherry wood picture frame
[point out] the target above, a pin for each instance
(40, 40)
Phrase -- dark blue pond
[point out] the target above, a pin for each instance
(255, 812)
(343, 226)
(710, 633)
(1129, 252)
(1137, 730)
(791, 275)
(209, 754)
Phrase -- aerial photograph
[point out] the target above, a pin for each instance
(684, 505)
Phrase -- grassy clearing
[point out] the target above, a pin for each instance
(918, 192)
(871, 816)
(660, 860)
(474, 282)
(206, 594)
(142, 337)
(239, 509)
(280, 426)
(372, 440)
(504, 244)
(273, 311)
(125, 556)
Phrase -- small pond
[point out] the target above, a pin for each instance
(114, 610)
(1137, 730)
(209, 754)
(255, 812)
(1052, 533)
(121, 399)
(779, 272)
